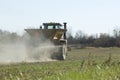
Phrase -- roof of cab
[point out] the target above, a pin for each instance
(52, 24)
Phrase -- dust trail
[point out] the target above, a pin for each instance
(12, 53)
(20, 52)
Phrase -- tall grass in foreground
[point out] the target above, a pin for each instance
(95, 73)
(85, 65)
(91, 70)
(44, 72)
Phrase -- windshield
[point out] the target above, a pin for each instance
(50, 27)
(56, 27)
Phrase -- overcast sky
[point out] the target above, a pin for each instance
(90, 16)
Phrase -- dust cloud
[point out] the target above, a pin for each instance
(12, 53)
(23, 50)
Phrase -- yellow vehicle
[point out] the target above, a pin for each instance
(53, 32)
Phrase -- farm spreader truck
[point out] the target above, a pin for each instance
(52, 32)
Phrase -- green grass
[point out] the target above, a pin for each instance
(81, 64)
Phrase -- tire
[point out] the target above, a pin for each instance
(62, 52)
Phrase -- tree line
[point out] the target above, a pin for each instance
(80, 38)
(7, 37)
(101, 40)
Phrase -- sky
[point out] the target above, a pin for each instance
(89, 16)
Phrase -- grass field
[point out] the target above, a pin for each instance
(81, 64)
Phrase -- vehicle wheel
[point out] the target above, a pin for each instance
(60, 54)
(64, 52)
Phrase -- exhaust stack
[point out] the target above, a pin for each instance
(65, 27)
